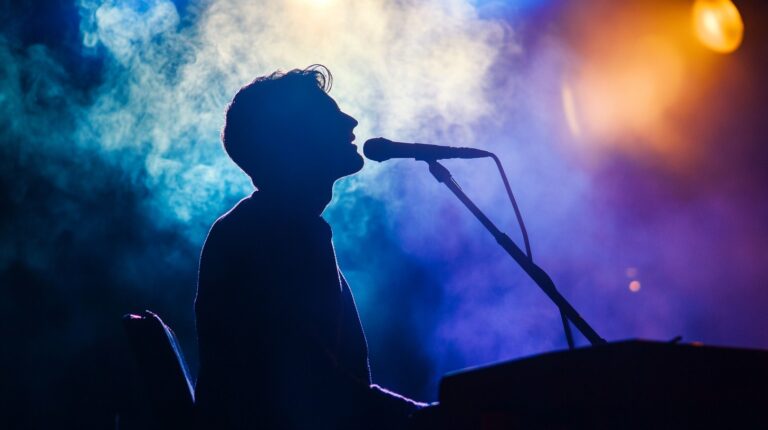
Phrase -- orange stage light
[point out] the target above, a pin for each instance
(718, 25)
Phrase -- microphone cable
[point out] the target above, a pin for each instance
(512, 200)
(526, 242)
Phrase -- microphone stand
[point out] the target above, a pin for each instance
(536, 273)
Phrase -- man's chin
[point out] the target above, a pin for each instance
(359, 163)
(345, 166)
(351, 165)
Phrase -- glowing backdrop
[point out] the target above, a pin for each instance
(633, 145)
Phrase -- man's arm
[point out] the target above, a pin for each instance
(326, 386)
(329, 394)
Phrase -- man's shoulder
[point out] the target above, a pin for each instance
(234, 223)
(242, 213)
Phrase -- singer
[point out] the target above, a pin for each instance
(281, 344)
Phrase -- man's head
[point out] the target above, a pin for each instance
(284, 130)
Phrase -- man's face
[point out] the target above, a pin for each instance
(327, 147)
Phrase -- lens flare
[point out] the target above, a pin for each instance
(569, 107)
(718, 25)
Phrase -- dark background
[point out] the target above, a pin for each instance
(80, 246)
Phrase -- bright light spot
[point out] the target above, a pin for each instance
(718, 25)
(634, 286)
(311, 6)
(570, 110)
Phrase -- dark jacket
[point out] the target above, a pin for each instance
(281, 344)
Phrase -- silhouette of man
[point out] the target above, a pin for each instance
(281, 344)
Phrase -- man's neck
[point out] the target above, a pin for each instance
(310, 203)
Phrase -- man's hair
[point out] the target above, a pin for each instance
(263, 111)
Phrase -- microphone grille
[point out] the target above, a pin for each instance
(376, 149)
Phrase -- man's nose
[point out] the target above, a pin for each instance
(352, 122)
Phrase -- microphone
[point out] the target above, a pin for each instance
(380, 149)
